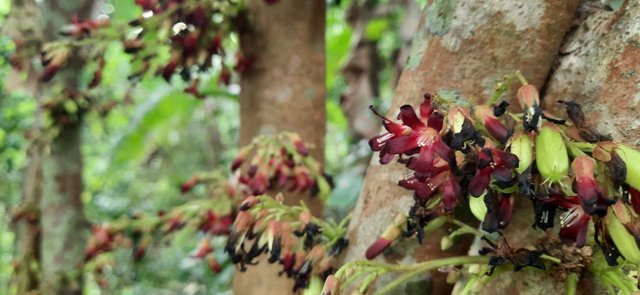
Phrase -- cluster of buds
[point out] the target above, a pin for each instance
(305, 246)
(195, 32)
(279, 163)
(100, 241)
(496, 158)
(212, 217)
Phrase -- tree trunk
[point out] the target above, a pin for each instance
(598, 68)
(26, 225)
(63, 224)
(282, 90)
(464, 46)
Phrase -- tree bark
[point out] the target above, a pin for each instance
(598, 67)
(63, 224)
(463, 47)
(282, 90)
(25, 277)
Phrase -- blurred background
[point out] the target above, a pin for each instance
(137, 156)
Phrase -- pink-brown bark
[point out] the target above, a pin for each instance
(466, 46)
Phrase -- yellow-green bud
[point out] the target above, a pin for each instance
(445, 243)
(552, 158)
(625, 242)
(522, 147)
(631, 158)
(478, 207)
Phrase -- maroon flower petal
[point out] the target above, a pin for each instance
(505, 211)
(377, 247)
(562, 201)
(395, 128)
(497, 129)
(377, 142)
(401, 144)
(424, 162)
(575, 225)
(430, 185)
(587, 190)
(436, 121)
(480, 181)
(502, 174)
(634, 199)
(410, 183)
(408, 116)
(385, 158)
(504, 159)
(450, 193)
(426, 107)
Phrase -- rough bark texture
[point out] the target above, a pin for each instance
(27, 227)
(63, 225)
(463, 46)
(600, 68)
(25, 277)
(283, 90)
(364, 63)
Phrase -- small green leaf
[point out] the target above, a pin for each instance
(375, 28)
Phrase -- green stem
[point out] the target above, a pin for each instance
(572, 283)
(521, 77)
(426, 266)
(469, 228)
(550, 258)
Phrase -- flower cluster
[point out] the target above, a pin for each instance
(491, 157)
(193, 31)
(281, 163)
(305, 246)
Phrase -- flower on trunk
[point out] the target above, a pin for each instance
(499, 211)
(585, 183)
(417, 134)
(492, 163)
(461, 133)
(529, 100)
(390, 234)
(574, 222)
(425, 188)
(496, 129)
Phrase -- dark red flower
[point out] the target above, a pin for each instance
(574, 223)
(497, 130)
(585, 183)
(204, 248)
(416, 134)
(499, 213)
(424, 189)
(494, 163)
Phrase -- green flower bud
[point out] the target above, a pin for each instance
(552, 158)
(445, 243)
(625, 242)
(522, 147)
(631, 158)
(478, 207)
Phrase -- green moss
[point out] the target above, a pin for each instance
(420, 43)
(439, 16)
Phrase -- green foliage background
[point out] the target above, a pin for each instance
(137, 156)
